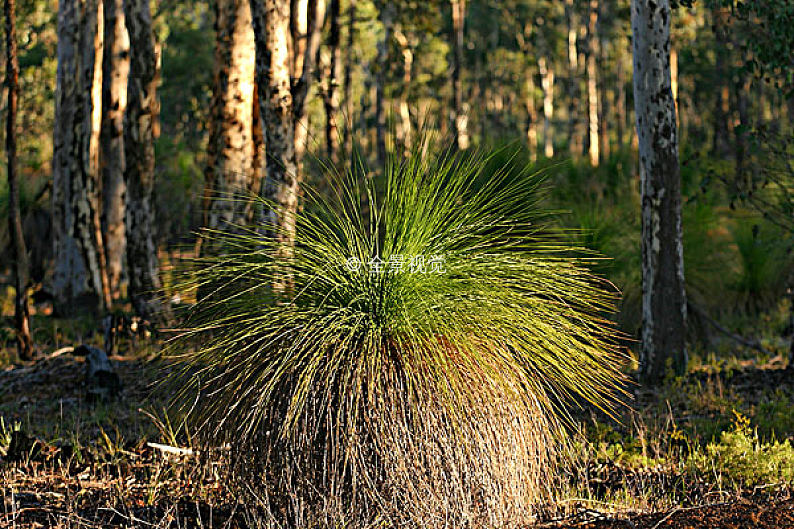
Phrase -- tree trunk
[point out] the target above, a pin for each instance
(620, 97)
(18, 249)
(574, 143)
(140, 130)
(532, 117)
(231, 148)
(348, 83)
(603, 101)
(720, 142)
(332, 78)
(271, 30)
(674, 82)
(367, 103)
(663, 294)
(115, 69)
(259, 162)
(741, 89)
(80, 278)
(461, 116)
(547, 84)
(592, 84)
(306, 18)
(280, 30)
(386, 16)
(405, 113)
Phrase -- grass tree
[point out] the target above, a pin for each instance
(417, 370)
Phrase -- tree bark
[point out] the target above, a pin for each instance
(306, 18)
(348, 83)
(720, 141)
(332, 78)
(271, 29)
(461, 116)
(532, 117)
(663, 295)
(592, 84)
(140, 131)
(231, 149)
(386, 16)
(115, 70)
(547, 84)
(620, 97)
(287, 38)
(19, 251)
(405, 112)
(574, 139)
(80, 278)
(741, 90)
(603, 101)
(674, 82)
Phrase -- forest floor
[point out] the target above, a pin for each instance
(712, 449)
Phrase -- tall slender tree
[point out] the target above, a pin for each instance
(333, 74)
(604, 79)
(524, 39)
(140, 131)
(381, 68)
(620, 94)
(592, 84)
(406, 49)
(20, 252)
(663, 296)
(80, 277)
(547, 84)
(115, 69)
(720, 136)
(461, 117)
(348, 81)
(287, 35)
(232, 155)
(306, 22)
(532, 115)
(572, 20)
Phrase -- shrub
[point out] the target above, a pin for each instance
(744, 460)
(368, 391)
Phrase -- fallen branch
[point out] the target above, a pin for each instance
(61, 351)
(171, 449)
(752, 343)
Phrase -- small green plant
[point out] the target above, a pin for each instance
(415, 365)
(743, 459)
(6, 431)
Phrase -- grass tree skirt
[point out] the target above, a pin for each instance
(408, 359)
(420, 467)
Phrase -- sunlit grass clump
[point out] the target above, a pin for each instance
(408, 361)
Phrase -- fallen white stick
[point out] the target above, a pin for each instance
(171, 449)
(59, 352)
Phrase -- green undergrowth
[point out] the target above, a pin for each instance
(716, 432)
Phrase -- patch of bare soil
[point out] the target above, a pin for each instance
(740, 514)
